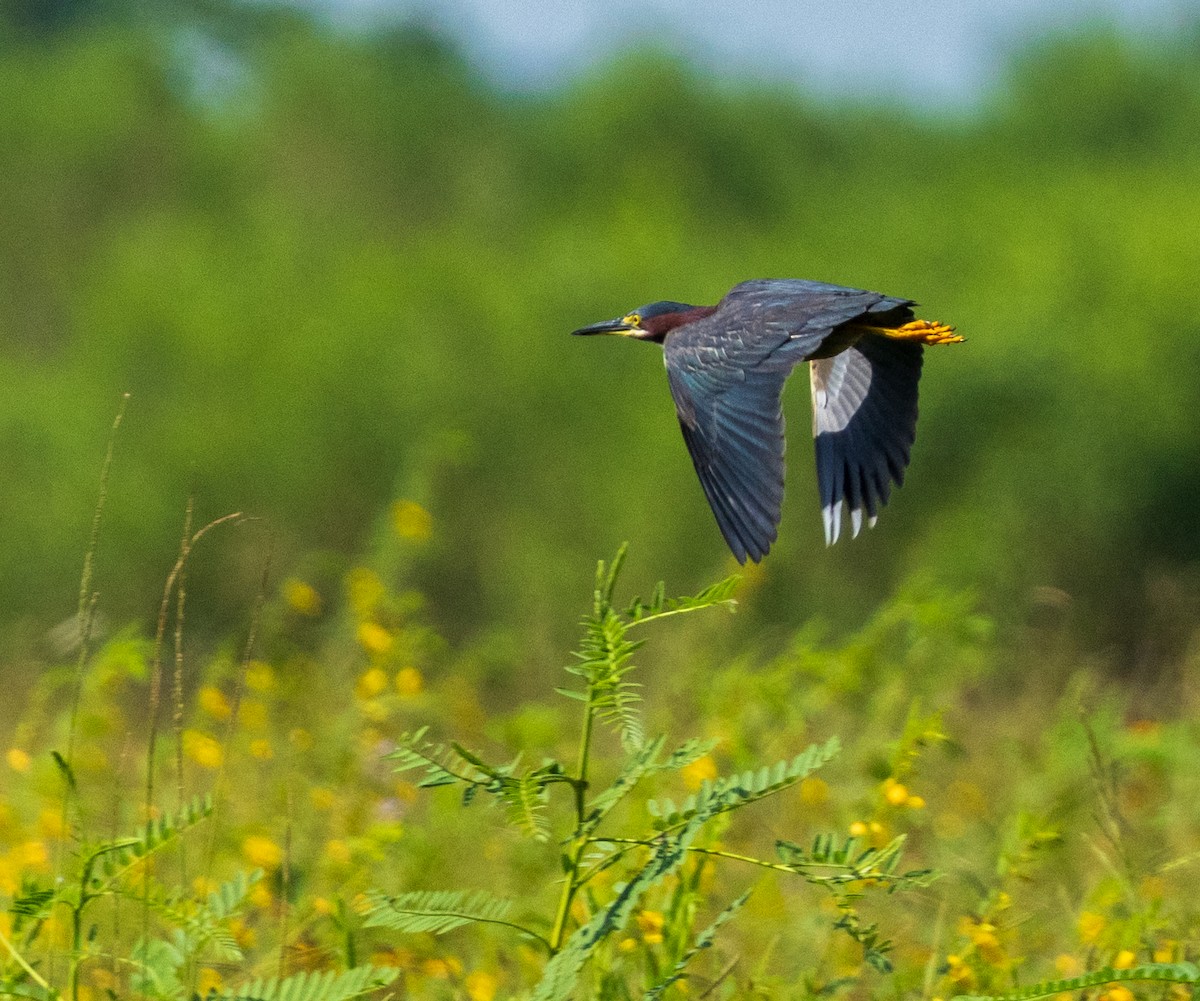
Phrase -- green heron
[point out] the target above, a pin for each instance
(726, 365)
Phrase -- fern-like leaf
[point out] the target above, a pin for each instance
(702, 941)
(720, 593)
(829, 861)
(723, 794)
(314, 986)
(1171, 973)
(120, 854)
(444, 764)
(439, 911)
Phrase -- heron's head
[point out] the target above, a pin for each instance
(648, 323)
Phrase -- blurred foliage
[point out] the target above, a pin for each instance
(286, 857)
(336, 269)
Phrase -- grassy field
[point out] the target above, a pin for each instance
(323, 700)
(340, 798)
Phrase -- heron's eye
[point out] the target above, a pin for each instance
(633, 319)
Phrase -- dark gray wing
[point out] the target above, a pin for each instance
(732, 423)
(727, 373)
(864, 422)
(791, 318)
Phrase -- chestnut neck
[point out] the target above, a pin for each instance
(657, 327)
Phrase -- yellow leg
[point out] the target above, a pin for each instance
(924, 331)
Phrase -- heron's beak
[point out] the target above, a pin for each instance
(607, 327)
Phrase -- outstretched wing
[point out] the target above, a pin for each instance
(732, 423)
(864, 422)
(727, 373)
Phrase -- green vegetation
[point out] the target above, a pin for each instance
(336, 270)
(312, 749)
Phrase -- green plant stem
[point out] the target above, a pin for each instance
(24, 964)
(793, 869)
(579, 843)
(76, 948)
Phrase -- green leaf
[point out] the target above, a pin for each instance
(1175, 973)
(702, 941)
(720, 593)
(730, 793)
(117, 855)
(831, 862)
(434, 911)
(314, 986)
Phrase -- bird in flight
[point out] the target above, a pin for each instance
(726, 365)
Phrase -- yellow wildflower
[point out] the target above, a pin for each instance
(260, 895)
(411, 521)
(1117, 993)
(52, 823)
(1125, 960)
(202, 749)
(301, 597)
(983, 937)
(858, 829)
(814, 791)
(698, 772)
(261, 851)
(628, 944)
(322, 905)
(18, 760)
(243, 934)
(408, 682)
(261, 748)
(959, 972)
(208, 980)
(202, 886)
(33, 854)
(373, 638)
(916, 803)
(371, 683)
(212, 700)
(260, 676)
(895, 792)
(1165, 953)
(1090, 926)
(650, 924)
(436, 968)
(481, 986)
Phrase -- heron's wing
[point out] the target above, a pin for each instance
(732, 423)
(791, 317)
(727, 373)
(864, 422)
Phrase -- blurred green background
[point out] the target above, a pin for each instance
(337, 268)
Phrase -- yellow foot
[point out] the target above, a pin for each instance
(924, 331)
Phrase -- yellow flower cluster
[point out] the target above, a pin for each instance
(411, 522)
(202, 749)
(262, 852)
(301, 597)
(650, 925)
(698, 772)
(896, 794)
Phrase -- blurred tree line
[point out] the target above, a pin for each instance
(339, 269)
